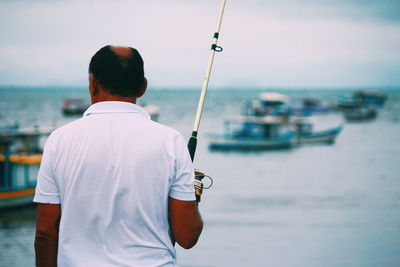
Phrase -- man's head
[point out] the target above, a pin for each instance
(118, 71)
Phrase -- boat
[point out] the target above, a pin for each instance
(307, 135)
(74, 106)
(354, 109)
(310, 106)
(360, 113)
(376, 98)
(254, 133)
(20, 157)
(268, 103)
(361, 105)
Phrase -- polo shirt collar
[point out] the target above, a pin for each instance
(115, 107)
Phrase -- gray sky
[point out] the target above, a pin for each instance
(285, 43)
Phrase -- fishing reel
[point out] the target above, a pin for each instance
(199, 185)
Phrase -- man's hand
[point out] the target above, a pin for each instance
(198, 184)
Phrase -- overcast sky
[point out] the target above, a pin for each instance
(282, 43)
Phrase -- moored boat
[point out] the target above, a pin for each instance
(376, 98)
(74, 106)
(307, 135)
(360, 113)
(254, 133)
(310, 106)
(268, 103)
(362, 105)
(20, 157)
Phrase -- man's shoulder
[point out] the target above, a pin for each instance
(167, 130)
(68, 127)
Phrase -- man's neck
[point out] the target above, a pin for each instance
(109, 97)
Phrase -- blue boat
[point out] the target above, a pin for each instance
(20, 157)
(310, 106)
(254, 133)
(268, 103)
(361, 105)
(376, 98)
(354, 109)
(307, 135)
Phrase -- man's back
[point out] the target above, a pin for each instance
(114, 170)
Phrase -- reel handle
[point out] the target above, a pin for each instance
(198, 184)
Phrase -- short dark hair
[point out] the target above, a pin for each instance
(122, 76)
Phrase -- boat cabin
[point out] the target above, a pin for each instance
(256, 127)
(268, 103)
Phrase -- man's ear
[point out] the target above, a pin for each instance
(93, 85)
(142, 88)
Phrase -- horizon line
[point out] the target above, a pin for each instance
(256, 88)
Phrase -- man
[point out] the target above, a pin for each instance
(115, 188)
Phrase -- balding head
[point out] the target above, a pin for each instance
(119, 70)
(122, 51)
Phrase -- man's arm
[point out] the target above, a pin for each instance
(185, 221)
(46, 238)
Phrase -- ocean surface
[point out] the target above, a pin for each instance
(317, 205)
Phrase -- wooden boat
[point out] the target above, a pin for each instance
(254, 133)
(307, 135)
(20, 157)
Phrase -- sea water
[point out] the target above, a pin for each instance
(319, 205)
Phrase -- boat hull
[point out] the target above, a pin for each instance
(327, 136)
(16, 198)
(243, 144)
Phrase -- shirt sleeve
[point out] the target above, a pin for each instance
(183, 183)
(46, 187)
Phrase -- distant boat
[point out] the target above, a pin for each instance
(20, 157)
(268, 103)
(254, 133)
(307, 135)
(310, 106)
(360, 112)
(74, 106)
(376, 98)
(362, 105)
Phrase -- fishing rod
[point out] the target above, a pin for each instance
(192, 144)
(214, 48)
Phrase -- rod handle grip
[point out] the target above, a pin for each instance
(192, 145)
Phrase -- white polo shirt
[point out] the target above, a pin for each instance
(112, 172)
